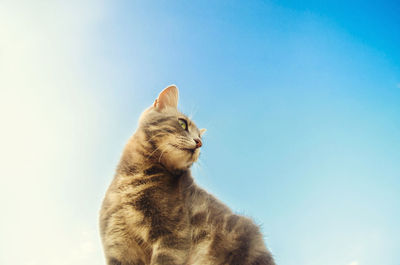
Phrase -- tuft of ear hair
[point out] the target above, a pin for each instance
(167, 98)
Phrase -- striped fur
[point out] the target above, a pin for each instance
(153, 212)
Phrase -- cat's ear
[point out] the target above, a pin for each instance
(202, 131)
(167, 98)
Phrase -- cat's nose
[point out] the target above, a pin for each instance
(198, 142)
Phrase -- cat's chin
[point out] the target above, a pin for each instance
(180, 160)
(176, 166)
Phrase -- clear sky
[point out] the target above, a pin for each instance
(301, 100)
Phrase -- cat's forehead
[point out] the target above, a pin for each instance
(152, 115)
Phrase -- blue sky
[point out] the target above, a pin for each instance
(301, 100)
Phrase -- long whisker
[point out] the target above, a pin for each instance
(155, 150)
(158, 134)
(159, 159)
(184, 140)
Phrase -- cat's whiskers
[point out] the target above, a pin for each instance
(156, 135)
(155, 150)
(159, 159)
(184, 141)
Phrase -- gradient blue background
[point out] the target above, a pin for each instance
(301, 100)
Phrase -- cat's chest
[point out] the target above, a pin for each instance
(157, 195)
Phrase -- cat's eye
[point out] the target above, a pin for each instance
(183, 124)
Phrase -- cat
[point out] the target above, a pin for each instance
(154, 213)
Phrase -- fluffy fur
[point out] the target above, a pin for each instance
(153, 212)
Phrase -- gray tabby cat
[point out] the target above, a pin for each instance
(153, 212)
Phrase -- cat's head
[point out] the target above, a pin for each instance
(171, 137)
